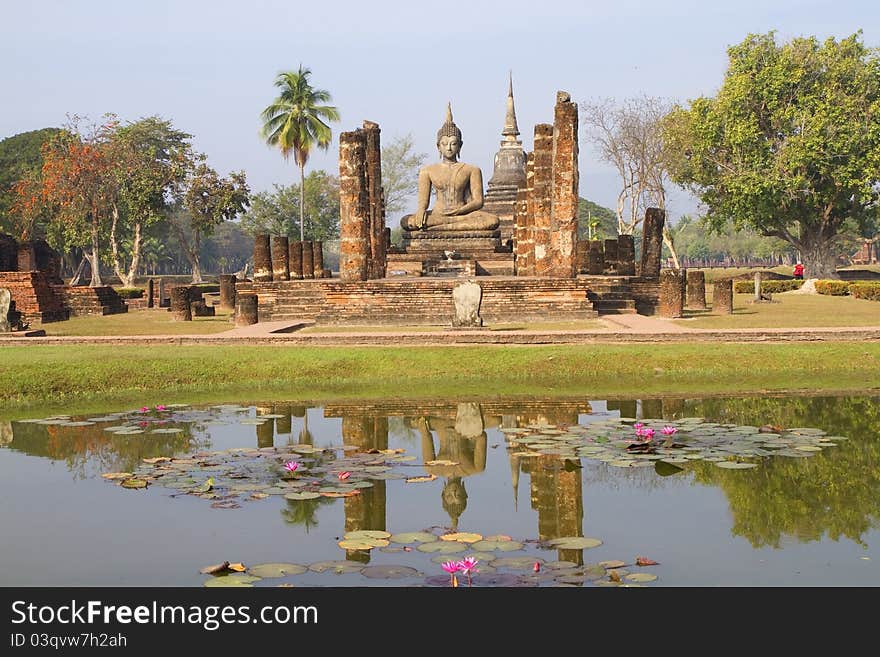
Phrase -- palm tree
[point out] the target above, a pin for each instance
(295, 122)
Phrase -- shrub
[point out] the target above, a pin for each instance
(770, 287)
(865, 290)
(833, 288)
(130, 292)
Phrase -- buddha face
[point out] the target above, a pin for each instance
(449, 147)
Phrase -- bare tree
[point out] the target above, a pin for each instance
(629, 137)
(400, 172)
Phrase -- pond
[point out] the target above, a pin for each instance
(748, 491)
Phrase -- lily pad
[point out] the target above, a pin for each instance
(462, 537)
(305, 495)
(362, 543)
(269, 570)
(444, 547)
(236, 580)
(366, 533)
(134, 483)
(641, 577)
(517, 563)
(574, 543)
(336, 567)
(413, 537)
(389, 572)
(733, 465)
(502, 546)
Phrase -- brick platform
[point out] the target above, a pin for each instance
(34, 298)
(90, 300)
(419, 301)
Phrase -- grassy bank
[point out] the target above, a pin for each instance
(88, 378)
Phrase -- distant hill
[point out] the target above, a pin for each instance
(589, 211)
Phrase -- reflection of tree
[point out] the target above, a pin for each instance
(88, 450)
(835, 493)
(302, 512)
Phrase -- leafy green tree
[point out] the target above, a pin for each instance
(789, 146)
(275, 212)
(208, 201)
(20, 157)
(150, 159)
(295, 122)
(595, 221)
(400, 173)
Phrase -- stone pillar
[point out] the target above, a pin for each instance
(523, 237)
(757, 286)
(27, 257)
(308, 263)
(162, 303)
(722, 296)
(611, 267)
(696, 289)
(387, 237)
(564, 209)
(151, 293)
(280, 258)
(262, 259)
(180, 308)
(8, 253)
(596, 258)
(672, 292)
(227, 292)
(626, 255)
(354, 212)
(541, 207)
(376, 199)
(295, 259)
(245, 309)
(583, 256)
(652, 242)
(318, 258)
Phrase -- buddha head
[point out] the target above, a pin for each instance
(449, 136)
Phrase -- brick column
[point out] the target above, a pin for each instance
(696, 289)
(610, 260)
(564, 208)
(354, 215)
(227, 292)
(672, 292)
(308, 264)
(523, 238)
(626, 255)
(376, 200)
(318, 258)
(583, 256)
(652, 242)
(262, 259)
(280, 258)
(180, 308)
(596, 258)
(722, 296)
(245, 309)
(151, 293)
(295, 259)
(541, 205)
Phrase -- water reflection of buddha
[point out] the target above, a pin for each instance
(462, 443)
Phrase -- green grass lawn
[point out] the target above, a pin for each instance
(97, 378)
(138, 322)
(789, 311)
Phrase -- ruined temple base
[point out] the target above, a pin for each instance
(424, 300)
(451, 253)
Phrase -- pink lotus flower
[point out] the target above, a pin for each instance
(648, 434)
(638, 427)
(145, 409)
(291, 466)
(451, 567)
(537, 567)
(669, 431)
(161, 407)
(468, 565)
(343, 475)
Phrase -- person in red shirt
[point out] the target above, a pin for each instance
(799, 270)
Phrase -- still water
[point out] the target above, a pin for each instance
(752, 491)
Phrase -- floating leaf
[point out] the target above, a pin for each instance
(362, 543)
(665, 468)
(645, 561)
(389, 572)
(305, 495)
(367, 533)
(232, 581)
(238, 567)
(641, 577)
(134, 483)
(413, 537)
(441, 462)
(733, 465)
(518, 563)
(117, 475)
(462, 537)
(574, 543)
(487, 545)
(612, 563)
(337, 567)
(416, 480)
(270, 570)
(445, 547)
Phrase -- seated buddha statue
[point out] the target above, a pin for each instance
(458, 190)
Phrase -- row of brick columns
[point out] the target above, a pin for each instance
(681, 287)
(281, 259)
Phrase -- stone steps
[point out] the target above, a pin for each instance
(84, 301)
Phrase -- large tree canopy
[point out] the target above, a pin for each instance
(20, 157)
(790, 145)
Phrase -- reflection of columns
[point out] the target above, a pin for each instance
(557, 496)
(367, 509)
(266, 430)
(672, 408)
(283, 423)
(5, 432)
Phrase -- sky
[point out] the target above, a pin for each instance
(209, 66)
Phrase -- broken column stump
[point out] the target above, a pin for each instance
(722, 296)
